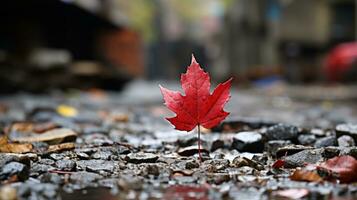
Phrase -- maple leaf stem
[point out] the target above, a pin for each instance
(199, 142)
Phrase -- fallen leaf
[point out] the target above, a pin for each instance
(16, 148)
(292, 193)
(60, 147)
(43, 127)
(278, 164)
(343, 168)
(21, 127)
(6, 147)
(67, 111)
(308, 174)
(54, 136)
(197, 106)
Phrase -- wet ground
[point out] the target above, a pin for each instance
(104, 145)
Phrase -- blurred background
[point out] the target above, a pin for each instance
(85, 44)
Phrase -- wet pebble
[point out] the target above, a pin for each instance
(151, 169)
(65, 165)
(325, 142)
(281, 132)
(187, 140)
(138, 158)
(82, 155)
(191, 150)
(346, 141)
(37, 168)
(51, 178)
(9, 157)
(46, 161)
(248, 142)
(217, 144)
(243, 161)
(103, 155)
(192, 164)
(347, 129)
(84, 178)
(330, 152)
(220, 164)
(37, 190)
(303, 157)
(14, 168)
(307, 139)
(57, 156)
(96, 165)
(97, 139)
(272, 146)
(290, 150)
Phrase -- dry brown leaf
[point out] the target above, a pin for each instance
(305, 175)
(6, 147)
(54, 136)
(43, 127)
(22, 127)
(60, 147)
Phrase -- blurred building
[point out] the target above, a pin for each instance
(104, 43)
(65, 45)
(287, 36)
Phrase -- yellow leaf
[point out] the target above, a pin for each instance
(67, 111)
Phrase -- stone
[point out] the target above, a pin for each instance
(102, 155)
(187, 140)
(97, 139)
(248, 142)
(37, 168)
(35, 190)
(220, 164)
(65, 165)
(84, 178)
(151, 169)
(303, 157)
(82, 155)
(272, 146)
(282, 132)
(307, 139)
(290, 150)
(192, 150)
(325, 142)
(347, 129)
(243, 161)
(191, 164)
(96, 165)
(346, 141)
(51, 178)
(14, 168)
(138, 158)
(46, 161)
(330, 152)
(217, 144)
(9, 157)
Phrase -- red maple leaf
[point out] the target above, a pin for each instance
(197, 107)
